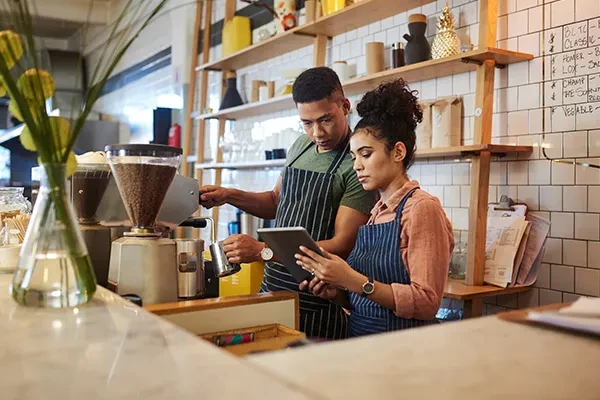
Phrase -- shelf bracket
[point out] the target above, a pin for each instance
(471, 61)
(312, 35)
(479, 62)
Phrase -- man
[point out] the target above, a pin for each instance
(318, 190)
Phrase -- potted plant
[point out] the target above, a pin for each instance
(54, 269)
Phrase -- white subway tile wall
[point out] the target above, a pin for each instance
(556, 109)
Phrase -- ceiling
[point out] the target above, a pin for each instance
(61, 19)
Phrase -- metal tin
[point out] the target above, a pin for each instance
(190, 268)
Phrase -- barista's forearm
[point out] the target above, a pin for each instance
(262, 205)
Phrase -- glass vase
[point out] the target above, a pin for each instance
(54, 268)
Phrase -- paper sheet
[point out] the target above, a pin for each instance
(584, 306)
(503, 239)
(581, 324)
(534, 250)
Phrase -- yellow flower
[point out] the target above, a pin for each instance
(34, 108)
(60, 130)
(2, 88)
(11, 48)
(30, 81)
(71, 164)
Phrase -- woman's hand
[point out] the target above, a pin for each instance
(329, 268)
(320, 289)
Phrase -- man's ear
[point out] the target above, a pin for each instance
(346, 106)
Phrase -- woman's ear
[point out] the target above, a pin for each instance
(399, 152)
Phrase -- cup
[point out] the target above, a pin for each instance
(342, 70)
(310, 9)
(221, 265)
(278, 154)
(374, 57)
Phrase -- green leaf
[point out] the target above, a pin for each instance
(2, 88)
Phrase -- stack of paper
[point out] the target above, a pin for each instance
(515, 245)
(583, 316)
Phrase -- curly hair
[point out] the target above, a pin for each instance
(316, 84)
(391, 113)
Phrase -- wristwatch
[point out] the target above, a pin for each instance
(368, 287)
(266, 254)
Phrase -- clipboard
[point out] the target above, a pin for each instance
(507, 207)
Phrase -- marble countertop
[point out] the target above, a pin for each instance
(111, 349)
(481, 358)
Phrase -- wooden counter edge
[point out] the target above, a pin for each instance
(457, 289)
(221, 302)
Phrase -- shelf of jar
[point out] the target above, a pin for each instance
(458, 151)
(472, 150)
(430, 69)
(352, 17)
(457, 289)
(244, 165)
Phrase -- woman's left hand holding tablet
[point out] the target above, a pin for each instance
(319, 288)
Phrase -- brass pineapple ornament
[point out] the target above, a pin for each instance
(446, 42)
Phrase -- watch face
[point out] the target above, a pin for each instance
(266, 254)
(368, 288)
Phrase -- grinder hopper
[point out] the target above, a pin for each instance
(143, 174)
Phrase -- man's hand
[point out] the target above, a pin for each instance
(213, 196)
(242, 249)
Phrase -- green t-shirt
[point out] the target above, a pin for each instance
(347, 190)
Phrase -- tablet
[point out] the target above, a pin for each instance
(285, 243)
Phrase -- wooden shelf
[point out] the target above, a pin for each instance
(355, 16)
(460, 151)
(456, 289)
(244, 165)
(275, 104)
(430, 69)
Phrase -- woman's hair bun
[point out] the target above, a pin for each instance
(391, 101)
(391, 113)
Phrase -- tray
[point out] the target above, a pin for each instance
(266, 338)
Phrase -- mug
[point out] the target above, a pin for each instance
(221, 265)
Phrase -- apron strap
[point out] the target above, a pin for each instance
(345, 146)
(403, 202)
(338, 159)
(308, 146)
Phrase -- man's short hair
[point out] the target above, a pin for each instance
(316, 84)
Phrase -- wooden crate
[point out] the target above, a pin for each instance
(266, 338)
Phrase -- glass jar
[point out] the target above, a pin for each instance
(13, 201)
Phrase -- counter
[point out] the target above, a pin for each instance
(111, 349)
(483, 358)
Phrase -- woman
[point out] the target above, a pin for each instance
(396, 275)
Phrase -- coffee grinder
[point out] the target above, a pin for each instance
(142, 262)
(88, 185)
